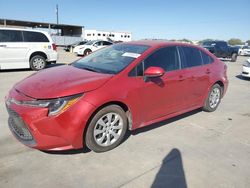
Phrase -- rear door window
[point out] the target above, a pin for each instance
(30, 36)
(191, 57)
(105, 43)
(206, 59)
(11, 36)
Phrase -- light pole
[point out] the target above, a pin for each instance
(57, 19)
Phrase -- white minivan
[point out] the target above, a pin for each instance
(26, 48)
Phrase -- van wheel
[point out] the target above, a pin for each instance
(213, 99)
(37, 63)
(234, 57)
(107, 128)
(87, 52)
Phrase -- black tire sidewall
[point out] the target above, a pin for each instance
(89, 136)
(32, 61)
(87, 51)
(207, 106)
(234, 57)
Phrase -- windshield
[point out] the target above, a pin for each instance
(90, 42)
(112, 59)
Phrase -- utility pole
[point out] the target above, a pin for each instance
(57, 19)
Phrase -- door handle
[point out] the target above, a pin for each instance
(3, 46)
(181, 78)
(208, 71)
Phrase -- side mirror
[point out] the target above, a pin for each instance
(154, 72)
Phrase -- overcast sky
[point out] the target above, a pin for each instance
(168, 19)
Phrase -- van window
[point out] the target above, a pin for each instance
(166, 58)
(191, 57)
(30, 36)
(10, 36)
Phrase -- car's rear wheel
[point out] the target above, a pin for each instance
(234, 57)
(37, 63)
(107, 129)
(87, 52)
(213, 99)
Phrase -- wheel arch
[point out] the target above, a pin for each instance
(43, 54)
(221, 84)
(87, 49)
(118, 103)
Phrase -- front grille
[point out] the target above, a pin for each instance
(18, 126)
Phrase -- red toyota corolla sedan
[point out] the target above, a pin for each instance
(94, 101)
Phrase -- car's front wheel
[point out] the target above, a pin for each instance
(37, 63)
(87, 52)
(213, 99)
(107, 129)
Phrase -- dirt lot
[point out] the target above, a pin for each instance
(197, 149)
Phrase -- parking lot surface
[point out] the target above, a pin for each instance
(197, 149)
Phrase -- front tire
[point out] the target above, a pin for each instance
(107, 129)
(213, 99)
(87, 52)
(37, 63)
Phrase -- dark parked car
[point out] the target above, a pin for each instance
(72, 46)
(119, 88)
(221, 49)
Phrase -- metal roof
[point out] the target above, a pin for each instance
(33, 24)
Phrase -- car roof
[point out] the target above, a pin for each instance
(159, 43)
(22, 29)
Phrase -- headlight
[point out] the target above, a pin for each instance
(55, 106)
(246, 64)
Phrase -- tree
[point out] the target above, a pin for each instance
(235, 41)
(186, 41)
(248, 41)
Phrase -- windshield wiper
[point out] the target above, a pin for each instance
(91, 69)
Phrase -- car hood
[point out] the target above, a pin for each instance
(61, 81)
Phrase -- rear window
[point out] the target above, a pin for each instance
(10, 36)
(30, 36)
(191, 57)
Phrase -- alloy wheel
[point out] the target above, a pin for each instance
(214, 97)
(108, 129)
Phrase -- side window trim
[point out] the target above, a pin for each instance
(22, 36)
(179, 57)
(183, 58)
(202, 60)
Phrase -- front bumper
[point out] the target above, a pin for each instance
(34, 128)
(245, 71)
(246, 53)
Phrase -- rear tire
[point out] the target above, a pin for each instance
(234, 57)
(107, 129)
(37, 63)
(213, 99)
